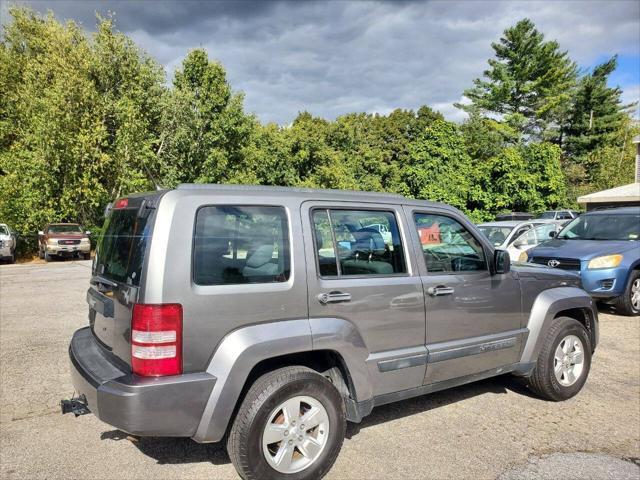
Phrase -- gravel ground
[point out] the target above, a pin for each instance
(485, 430)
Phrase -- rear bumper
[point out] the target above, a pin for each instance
(146, 406)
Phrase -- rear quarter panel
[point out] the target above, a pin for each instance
(212, 312)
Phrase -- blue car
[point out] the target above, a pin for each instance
(603, 247)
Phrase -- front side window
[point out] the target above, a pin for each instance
(236, 244)
(357, 242)
(448, 247)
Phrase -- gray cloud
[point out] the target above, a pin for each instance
(335, 57)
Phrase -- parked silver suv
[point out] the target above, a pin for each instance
(271, 316)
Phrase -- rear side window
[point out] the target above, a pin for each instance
(120, 251)
(236, 244)
(357, 242)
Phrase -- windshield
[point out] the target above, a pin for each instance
(3, 230)
(121, 249)
(603, 227)
(67, 228)
(496, 235)
(548, 215)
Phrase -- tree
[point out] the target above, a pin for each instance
(204, 127)
(597, 115)
(78, 120)
(529, 81)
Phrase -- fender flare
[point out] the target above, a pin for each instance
(232, 362)
(545, 307)
(243, 349)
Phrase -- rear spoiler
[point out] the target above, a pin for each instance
(147, 203)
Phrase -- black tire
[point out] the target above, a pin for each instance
(86, 256)
(623, 303)
(41, 253)
(12, 258)
(47, 257)
(543, 381)
(244, 443)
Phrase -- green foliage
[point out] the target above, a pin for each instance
(86, 119)
(79, 119)
(204, 128)
(526, 178)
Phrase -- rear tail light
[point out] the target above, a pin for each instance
(156, 339)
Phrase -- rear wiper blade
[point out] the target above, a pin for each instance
(99, 281)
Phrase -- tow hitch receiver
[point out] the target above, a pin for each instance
(76, 405)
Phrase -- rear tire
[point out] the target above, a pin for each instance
(564, 361)
(312, 452)
(12, 258)
(41, 253)
(629, 302)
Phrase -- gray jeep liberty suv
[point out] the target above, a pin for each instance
(269, 317)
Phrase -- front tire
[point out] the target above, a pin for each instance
(269, 438)
(629, 302)
(564, 361)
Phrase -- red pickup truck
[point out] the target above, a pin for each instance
(64, 240)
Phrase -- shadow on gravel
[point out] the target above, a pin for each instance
(184, 450)
(173, 450)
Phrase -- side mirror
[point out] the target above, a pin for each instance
(501, 261)
(88, 232)
(40, 233)
(553, 234)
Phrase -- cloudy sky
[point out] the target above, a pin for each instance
(335, 57)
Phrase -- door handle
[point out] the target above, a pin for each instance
(440, 290)
(334, 297)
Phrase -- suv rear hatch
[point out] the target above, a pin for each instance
(117, 271)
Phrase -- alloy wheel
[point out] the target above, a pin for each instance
(295, 434)
(568, 360)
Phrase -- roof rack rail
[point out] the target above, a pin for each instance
(268, 188)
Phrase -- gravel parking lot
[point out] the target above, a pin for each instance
(485, 430)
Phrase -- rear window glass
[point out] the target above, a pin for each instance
(241, 244)
(121, 248)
